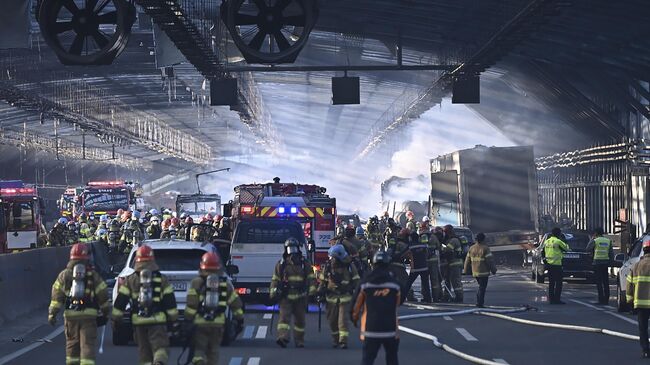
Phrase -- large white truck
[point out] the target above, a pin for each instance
(491, 190)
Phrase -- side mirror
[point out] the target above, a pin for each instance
(619, 259)
(232, 269)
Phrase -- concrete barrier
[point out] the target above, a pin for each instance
(26, 280)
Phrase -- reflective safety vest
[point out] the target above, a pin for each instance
(602, 246)
(554, 249)
(638, 284)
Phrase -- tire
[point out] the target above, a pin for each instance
(122, 334)
(621, 303)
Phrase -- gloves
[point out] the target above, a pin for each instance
(51, 319)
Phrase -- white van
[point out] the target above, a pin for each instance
(257, 246)
(626, 261)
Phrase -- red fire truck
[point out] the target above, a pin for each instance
(20, 216)
(107, 197)
(307, 204)
(69, 199)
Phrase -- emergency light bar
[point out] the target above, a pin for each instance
(283, 210)
(17, 191)
(105, 183)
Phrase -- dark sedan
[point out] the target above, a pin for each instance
(577, 263)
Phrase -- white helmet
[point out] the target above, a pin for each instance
(425, 219)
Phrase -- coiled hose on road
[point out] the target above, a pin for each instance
(494, 313)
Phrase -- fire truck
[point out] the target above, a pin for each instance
(69, 199)
(21, 216)
(107, 197)
(307, 204)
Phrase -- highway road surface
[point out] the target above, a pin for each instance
(488, 338)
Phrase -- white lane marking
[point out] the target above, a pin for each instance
(248, 332)
(253, 361)
(447, 318)
(468, 336)
(26, 349)
(628, 320)
(261, 332)
(267, 316)
(501, 361)
(235, 361)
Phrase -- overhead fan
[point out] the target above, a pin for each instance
(86, 32)
(270, 31)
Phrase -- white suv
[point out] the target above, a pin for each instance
(179, 263)
(625, 262)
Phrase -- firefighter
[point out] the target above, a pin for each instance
(433, 264)
(132, 234)
(454, 250)
(83, 295)
(154, 230)
(419, 247)
(338, 281)
(480, 261)
(354, 248)
(391, 232)
(373, 233)
(638, 294)
(602, 252)
(553, 250)
(71, 234)
(224, 229)
(114, 228)
(153, 306)
(363, 247)
(182, 232)
(57, 235)
(398, 249)
(291, 284)
(208, 297)
(376, 305)
(85, 234)
(101, 235)
(411, 223)
(164, 234)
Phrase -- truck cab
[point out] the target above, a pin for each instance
(257, 245)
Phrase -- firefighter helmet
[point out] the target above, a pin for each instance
(410, 214)
(360, 231)
(291, 246)
(153, 211)
(381, 258)
(210, 261)
(135, 215)
(63, 220)
(338, 252)
(175, 222)
(120, 212)
(144, 253)
(79, 251)
(189, 220)
(166, 223)
(425, 219)
(646, 243)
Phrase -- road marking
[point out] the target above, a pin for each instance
(248, 332)
(261, 332)
(26, 349)
(501, 361)
(447, 318)
(267, 316)
(468, 336)
(235, 361)
(631, 321)
(253, 361)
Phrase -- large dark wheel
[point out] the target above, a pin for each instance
(269, 31)
(86, 32)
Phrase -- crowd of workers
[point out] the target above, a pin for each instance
(363, 283)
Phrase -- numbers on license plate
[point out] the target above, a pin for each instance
(179, 286)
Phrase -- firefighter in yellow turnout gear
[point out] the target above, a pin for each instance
(338, 281)
(291, 284)
(208, 297)
(153, 305)
(82, 294)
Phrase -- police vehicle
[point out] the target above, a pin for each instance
(576, 264)
(179, 263)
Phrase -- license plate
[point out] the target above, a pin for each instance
(179, 286)
(571, 256)
(262, 290)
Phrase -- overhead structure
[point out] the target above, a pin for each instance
(92, 32)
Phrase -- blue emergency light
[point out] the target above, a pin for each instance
(281, 209)
(294, 209)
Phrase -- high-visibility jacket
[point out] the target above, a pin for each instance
(96, 295)
(338, 280)
(434, 248)
(554, 249)
(293, 280)
(603, 250)
(638, 284)
(454, 247)
(195, 311)
(164, 302)
(480, 260)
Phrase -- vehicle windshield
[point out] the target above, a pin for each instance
(106, 199)
(577, 241)
(20, 216)
(176, 259)
(268, 232)
(200, 208)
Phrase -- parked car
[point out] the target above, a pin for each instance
(577, 263)
(179, 263)
(625, 261)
